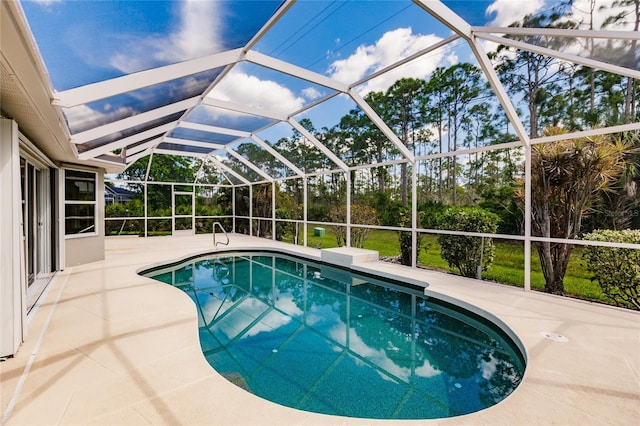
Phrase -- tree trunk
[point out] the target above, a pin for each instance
(440, 161)
(628, 98)
(533, 116)
(549, 255)
(381, 170)
(454, 194)
(559, 254)
(403, 180)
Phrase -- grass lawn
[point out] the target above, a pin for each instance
(507, 266)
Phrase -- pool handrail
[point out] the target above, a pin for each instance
(215, 243)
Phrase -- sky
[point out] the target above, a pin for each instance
(84, 41)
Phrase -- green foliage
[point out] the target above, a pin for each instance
(567, 177)
(406, 239)
(464, 252)
(133, 208)
(388, 209)
(361, 215)
(617, 270)
(317, 212)
(502, 202)
(431, 214)
(207, 209)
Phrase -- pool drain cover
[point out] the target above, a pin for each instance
(554, 336)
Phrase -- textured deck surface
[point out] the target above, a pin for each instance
(107, 346)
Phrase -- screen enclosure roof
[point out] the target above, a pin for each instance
(205, 78)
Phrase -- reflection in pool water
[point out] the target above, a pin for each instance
(321, 339)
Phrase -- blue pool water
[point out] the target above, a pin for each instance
(322, 339)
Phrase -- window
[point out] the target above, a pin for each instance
(80, 202)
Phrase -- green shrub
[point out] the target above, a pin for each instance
(617, 270)
(388, 209)
(430, 214)
(465, 252)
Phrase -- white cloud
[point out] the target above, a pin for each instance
(47, 3)
(196, 35)
(85, 114)
(390, 48)
(509, 11)
(198, 32)
(488, 368)
(249, 90)
(311, 93)
(426, 370)
(379, 356)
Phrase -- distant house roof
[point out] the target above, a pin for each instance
(117, 194)
(121, 191)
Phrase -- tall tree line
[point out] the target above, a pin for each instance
(454, 108)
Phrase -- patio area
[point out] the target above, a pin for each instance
(107, 346)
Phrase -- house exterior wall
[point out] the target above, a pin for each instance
(12, 276)
(27, 119)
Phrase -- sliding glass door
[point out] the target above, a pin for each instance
(37, 226)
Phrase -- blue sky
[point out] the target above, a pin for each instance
(83, 41)
(87, 41)
(92, 40)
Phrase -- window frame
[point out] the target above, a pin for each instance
(93, 203)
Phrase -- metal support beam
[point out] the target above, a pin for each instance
(305, 217)
(414, 215)
(568, 57)
(136, 120)
(139, 80)
(188, 142)
(277, 155)
(282, 10)
(295, 71)
(445, 15)
(273, 211)
(527, 218)
(213, 129)
(503, 97)
(587, 133)
(403, 61)
(232, 106)
(135, 157)
(142, 148)
(248, 164)
(250, 210)
(233, 206)
(122, 143)
(221, 166)
(381, 125)
(559, 32)
(338, 162)
(348, 210)
(182, 153)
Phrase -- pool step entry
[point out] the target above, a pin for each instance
(347, 256)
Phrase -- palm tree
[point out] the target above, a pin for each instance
(566, 180)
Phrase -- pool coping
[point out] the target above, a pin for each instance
(123, 350)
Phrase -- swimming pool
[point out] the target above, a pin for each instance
(323, 339)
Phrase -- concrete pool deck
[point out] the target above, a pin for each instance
(107, 346)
